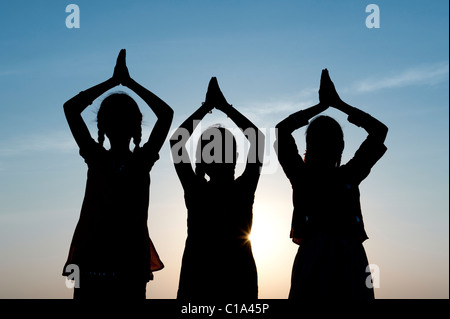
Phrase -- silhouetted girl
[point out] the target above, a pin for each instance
(218, 261)
(111, 244)
(327, 222)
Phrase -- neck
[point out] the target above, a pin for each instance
(222, 179)
(120, 148)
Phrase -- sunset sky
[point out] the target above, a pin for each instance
(267, 57)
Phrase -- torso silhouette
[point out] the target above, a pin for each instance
(112, 235)
(328, 201)
(218, 261)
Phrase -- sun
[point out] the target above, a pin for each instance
(265, 234)
(272, 249)
(259, 238)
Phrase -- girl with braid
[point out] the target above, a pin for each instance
(111, 245)
(327, 220)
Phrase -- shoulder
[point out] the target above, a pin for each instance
(197, 187)
(367, 155)
(372, 146)
(146, 155)
(92, 151)
(248, 181)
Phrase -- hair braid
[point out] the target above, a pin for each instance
(101, 137)
(137, 136)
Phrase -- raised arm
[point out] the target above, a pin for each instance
(298, 119)
(373, 148)
(251, 132)
(163, 112)
(76, 105)
(376, 130)
(285, 145)
(302, 117)
(178, 142)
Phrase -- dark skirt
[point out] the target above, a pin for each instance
(331, 267)
(109, 286)
(218, 272)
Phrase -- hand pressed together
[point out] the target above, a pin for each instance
(121, 74)
(328, 95)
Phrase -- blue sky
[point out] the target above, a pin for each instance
(267, 56)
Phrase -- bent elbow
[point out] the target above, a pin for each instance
(68, 107)
(169, 117)
(166, 117)
(278, 126)
(383, 131)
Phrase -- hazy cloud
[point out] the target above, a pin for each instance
(422, 75)
(259, 111)
(430, 74)
(41, 142)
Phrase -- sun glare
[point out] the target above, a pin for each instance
(265, 235)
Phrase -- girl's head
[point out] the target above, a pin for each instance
(216, 153)
(119, 118)
(324, 142)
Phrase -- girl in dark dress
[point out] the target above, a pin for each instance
(327, 221)
(218, 261)
(111, 244)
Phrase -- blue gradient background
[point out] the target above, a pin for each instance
(267, 56)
